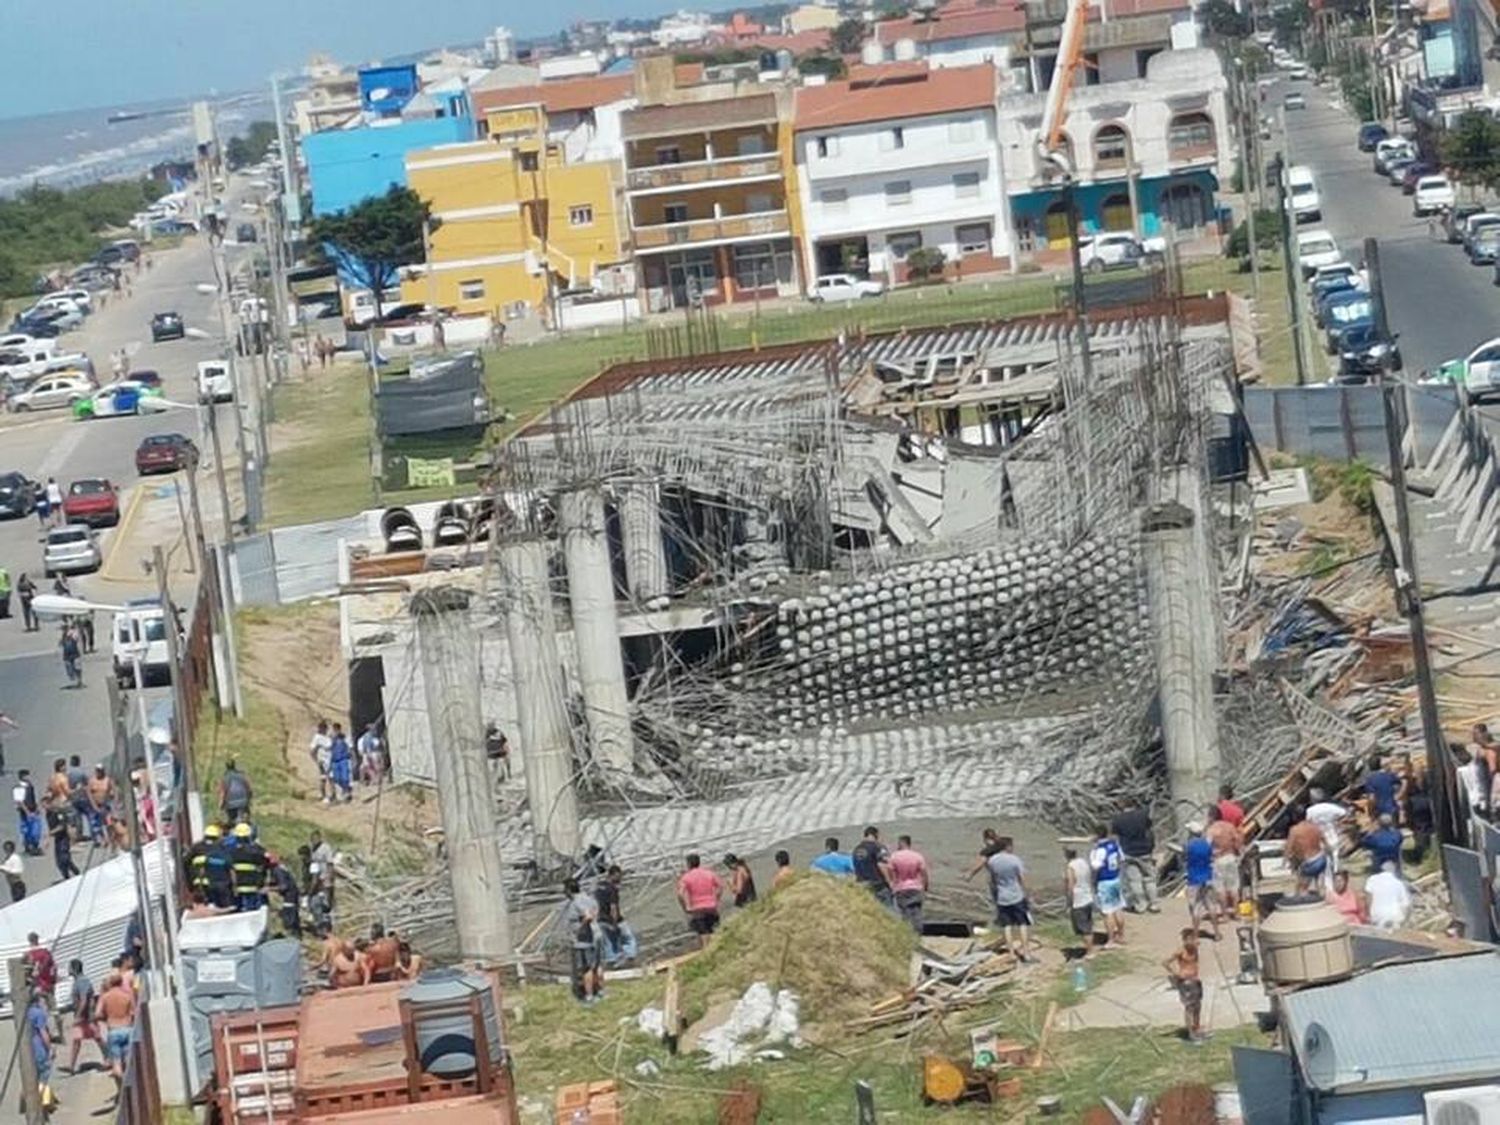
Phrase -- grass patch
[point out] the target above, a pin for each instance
(320, 464)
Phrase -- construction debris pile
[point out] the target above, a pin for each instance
(948, 975)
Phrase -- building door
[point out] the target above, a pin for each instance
(1115, 212)
(1057, 225)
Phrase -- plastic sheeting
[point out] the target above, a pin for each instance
(83, 917)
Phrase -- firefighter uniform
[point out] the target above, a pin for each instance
(249, 866)
(197, 860)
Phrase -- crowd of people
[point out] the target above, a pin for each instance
(340, 764)
(380, 957)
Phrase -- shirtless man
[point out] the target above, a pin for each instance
(382, 953)
(332, 946)
(101, 792)
(59, 792)
(349, 968)
(116, 1010)
(1182, 970)
(1227, 845)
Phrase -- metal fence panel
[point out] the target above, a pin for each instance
(307, 556)
(1342, 423)
(255, 570)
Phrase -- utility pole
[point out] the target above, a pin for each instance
(1289, 267)
(1408, 584)
(1249, 173)
(1080, 291)
(214, 573)
(122, 779)
(20, 1000)
(451, 678)
(174, 663)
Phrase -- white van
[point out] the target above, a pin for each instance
(139, 634)
(214, 381)
(1302, 190)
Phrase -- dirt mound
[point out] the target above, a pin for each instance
(826, 939)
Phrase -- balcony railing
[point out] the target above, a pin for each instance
(1204, 152)
(703, 172)
(711, 230)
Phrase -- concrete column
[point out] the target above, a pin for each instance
(596, 628)
(449, 652)
(546, 747)
(645, 546)
(1179, 588)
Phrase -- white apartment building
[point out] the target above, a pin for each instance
(898, 158)
(1148, 153)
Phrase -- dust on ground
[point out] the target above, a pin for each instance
(291, 658)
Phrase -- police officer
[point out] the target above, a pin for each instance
(285, 884)
(249, 866)
(220, 872)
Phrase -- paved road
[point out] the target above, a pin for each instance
(53, 719)
(1441, 305)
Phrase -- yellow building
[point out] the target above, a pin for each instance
(532, 209)
(709, 180)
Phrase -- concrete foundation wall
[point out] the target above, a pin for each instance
(1343, 423)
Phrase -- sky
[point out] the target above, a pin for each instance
(86, 53)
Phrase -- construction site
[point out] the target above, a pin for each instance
(718, 602)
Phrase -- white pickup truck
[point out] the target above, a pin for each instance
(21, 365)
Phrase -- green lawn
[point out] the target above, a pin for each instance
(321, 465)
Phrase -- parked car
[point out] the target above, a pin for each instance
(167, 326)
(1344, 312)
(1431, 194)
(139, 635)
(1294, 100)
(1371, 133)
(18, 495)
(165, 453)
(1329, 293)
(1302, 189)
(1484, 247)
(843, 287)
(59, 318)
(1388, 150)
(1316, 248)
(147, 378)
(1117, 250)
(1476, 225)
(1396, 168)
(36, 329)
(71, 549)
(1457, 217)
(1414, 172)
(114, 400)
(50, 392)
(1340, 270)
(1365, 350)
(92, 500)
(1478, 372)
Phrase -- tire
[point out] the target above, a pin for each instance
(19, 408)
(1095, 265)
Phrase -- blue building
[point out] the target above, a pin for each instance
(366, 158)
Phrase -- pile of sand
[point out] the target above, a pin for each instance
(825, 939)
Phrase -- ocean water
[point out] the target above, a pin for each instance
(81, 146)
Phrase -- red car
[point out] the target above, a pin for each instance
(93, 501)
(165, 453)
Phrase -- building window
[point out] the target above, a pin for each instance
(471, 290)
(759, 202)
(751, 144)
(529, 162)
(581, 216)
(902, 244)
(826, 147)
(966, 184)
(669, 154)
(1111, 148)
(1185, 205)
(897, 193)
(1189, 135)
(962, 132)
(756, 266)
(834, 199)
(675, 213)
(892, 140)
(972, 238)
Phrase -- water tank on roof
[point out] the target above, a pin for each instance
(445, 1031)
(1304, 941)
(872, 53)
(906, 50)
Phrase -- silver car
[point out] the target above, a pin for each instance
(71, 549)
(51, 391)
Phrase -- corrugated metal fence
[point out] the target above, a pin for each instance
(1345, 423)
(290, 564)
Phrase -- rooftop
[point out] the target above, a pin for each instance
(693, 117)
(562, 96)
(1411, 1023)
(953, 22)
(875, 93)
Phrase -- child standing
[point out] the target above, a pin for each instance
(1182, 970)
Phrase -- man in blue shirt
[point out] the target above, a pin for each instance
(1383, 786)
(833, 861)
(1384, 844)
(1198, 859)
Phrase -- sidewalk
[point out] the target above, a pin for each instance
(84, 1098)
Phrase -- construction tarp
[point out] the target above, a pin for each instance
(83, 917)
(439, 395)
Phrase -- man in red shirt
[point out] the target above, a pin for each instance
(43, 969)
(699, 891)
(909, 881)
(1230, 809)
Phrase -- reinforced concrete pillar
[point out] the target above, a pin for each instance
(596, 628)
(541, 708)
(1179, 583)
(451, 678)
(645, 547)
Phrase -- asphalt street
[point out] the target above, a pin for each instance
(1440, 304)
(54, 720)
